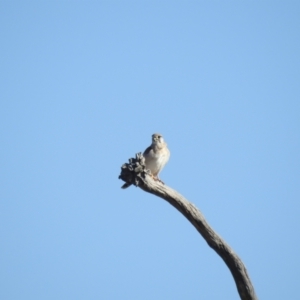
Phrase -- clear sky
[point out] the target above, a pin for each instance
(85, 84)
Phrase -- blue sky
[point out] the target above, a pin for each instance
(85, 84)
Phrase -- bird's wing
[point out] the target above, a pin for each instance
(147, 151)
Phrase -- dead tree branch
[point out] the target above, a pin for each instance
(134, 172)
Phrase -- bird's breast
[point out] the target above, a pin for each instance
(155, 161)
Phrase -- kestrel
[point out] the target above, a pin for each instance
(156, 156)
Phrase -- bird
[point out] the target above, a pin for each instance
(156, 156)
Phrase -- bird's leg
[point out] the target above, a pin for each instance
(158, 179)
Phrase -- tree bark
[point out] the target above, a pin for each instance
(135, 173)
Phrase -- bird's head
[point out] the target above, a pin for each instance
(157, 139)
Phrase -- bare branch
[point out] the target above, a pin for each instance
(135, 173)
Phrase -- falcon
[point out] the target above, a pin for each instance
(156, 157)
